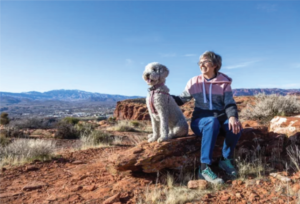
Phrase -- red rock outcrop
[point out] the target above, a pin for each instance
(131, 110)
(185, 152)
(136, 109)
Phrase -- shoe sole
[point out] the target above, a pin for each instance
(221, 167)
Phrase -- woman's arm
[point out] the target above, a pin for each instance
(183, 98)
(231, 111)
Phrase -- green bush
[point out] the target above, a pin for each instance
(84, 128)
(101, 118)
(4, 141)
(4, 120)
(135, 123)
(71, 120)
(66, 130)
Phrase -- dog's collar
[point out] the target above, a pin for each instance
(152, 88)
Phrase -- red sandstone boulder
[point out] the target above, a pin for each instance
(289, 126)
(136, 109)
(185, 152)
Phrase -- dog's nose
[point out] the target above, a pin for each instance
(147, 75)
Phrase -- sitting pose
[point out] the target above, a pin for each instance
(166, 117)
(215, 108)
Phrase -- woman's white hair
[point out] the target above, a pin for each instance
(215, 58)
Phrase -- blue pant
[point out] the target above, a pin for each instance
(208, 128)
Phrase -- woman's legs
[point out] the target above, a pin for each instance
(230, 141)
(208, 128)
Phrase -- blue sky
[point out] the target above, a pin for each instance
(102, 46)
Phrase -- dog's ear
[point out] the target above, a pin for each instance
(163, 70)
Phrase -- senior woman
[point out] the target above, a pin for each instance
(215, 109)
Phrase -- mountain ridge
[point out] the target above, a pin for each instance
(79, 95)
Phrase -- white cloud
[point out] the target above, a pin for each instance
(168, 54)
(240, 65)
(190, 55)
(129, 61)
(267, 7)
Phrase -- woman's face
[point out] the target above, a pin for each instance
(207, 67)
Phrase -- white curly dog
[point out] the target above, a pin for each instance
(166, 117)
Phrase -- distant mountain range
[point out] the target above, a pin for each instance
(77, 95)
(61, 95)
(252, 92)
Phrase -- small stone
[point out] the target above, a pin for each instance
(112, 199)
(238, 195)
(78, 162)
(197, 184)
(252, 197)
(225, 197)
(74, 188)
(31, 168)
(5, 195)
(33, 186)
(90, 187)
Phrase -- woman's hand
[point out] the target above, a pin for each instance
(234, 125)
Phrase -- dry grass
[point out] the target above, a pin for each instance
(95, 139)
(122, 126)
(40, 132)
(24, 150)
(137, 139)
(268, 106)
(253, 164)
(294, 153)
(174, 195)
(131, 126)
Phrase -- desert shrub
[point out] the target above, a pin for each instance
(96, 138)
(3, 140)
(84, 128)
(4, 120)
(11, 131)
(268, 106)
(66, 130)
(40, 132)
(23, 150)
(136, 123)
(112, 120)
(71, 120)
(36, 123)
(101, 118)
(123, 126)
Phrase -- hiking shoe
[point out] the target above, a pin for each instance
(208, 175)
(227, 166)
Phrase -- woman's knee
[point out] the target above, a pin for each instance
(213, 122)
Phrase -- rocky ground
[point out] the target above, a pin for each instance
(135, 171)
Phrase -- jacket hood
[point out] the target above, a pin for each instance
(220, 79)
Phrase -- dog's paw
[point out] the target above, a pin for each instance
(152, 138)
(161, 139)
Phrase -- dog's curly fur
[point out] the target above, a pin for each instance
(169, 122)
